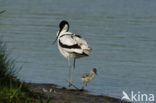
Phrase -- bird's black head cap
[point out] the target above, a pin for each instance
(94, 70)
(62, 27)
(63, 23)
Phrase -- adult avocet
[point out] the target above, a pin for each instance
(71, 46)
(88, 77)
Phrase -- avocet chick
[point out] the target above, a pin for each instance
(88, 77)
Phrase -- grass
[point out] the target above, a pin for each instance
(12, 90)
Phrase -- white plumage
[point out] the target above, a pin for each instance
(71, 45)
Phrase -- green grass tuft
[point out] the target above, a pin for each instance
(7, 67)
(12, 90)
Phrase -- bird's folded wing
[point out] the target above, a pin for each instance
(68, 40)
(74, 43)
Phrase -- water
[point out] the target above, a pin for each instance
(121, 33)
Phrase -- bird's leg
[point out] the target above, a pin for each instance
(73, 67)
(69, 72)
(83, 85)
(74, 64)
(86, 83)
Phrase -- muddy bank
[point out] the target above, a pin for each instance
(58, 94)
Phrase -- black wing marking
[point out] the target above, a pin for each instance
(84, 54)
(71, 35)
(75, 46)
(78, 36)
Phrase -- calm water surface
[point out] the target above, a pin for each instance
(121, 33)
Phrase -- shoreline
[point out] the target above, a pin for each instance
(59, 94)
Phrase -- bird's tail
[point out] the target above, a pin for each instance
(87, 51)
